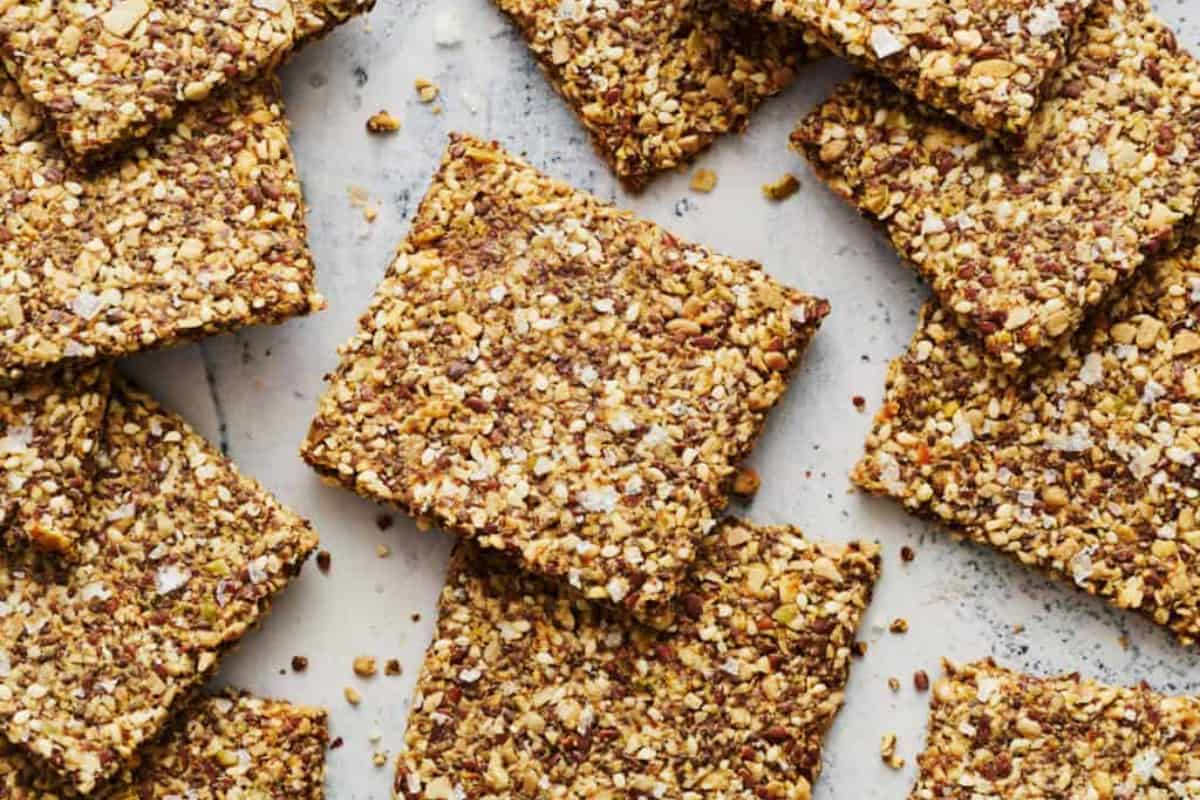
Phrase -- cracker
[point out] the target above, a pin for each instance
(984, 63)
(655, 82)
(555, 378)
(1084, 468)
(231, 745)
(201, 232)
(1022, 245)
(112, 73)
(180, 557)
(998, 733)
(529, 691)
(49, 427)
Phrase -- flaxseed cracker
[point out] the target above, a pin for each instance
(528, 690)
(998, 733)
(201, 232)
(558, 379)
(1022, 245)
(49, 430)
(985, 63)
(180, 557)
(232, 745)
(654, 82)
(1084, 468)
(110, 73)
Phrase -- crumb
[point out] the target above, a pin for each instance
(359, 196)
(1018, 628)
(379, 759)
(860, 648)
(392, 667)
(382, 122)
(1123, 640)
(364, 666)
(746, 482)
(374, 735)
(859, 401)
(382, 550)
(427, 90)
(337, 743)
(894, 684)
(781, 189)
(907, 554)
(704, 180)
(899, 625)
(383, 521)
(299, 663)
(416, 617)
(370, 213)
(352, 696)
(324, 560)
(887, 751)
(921, 680)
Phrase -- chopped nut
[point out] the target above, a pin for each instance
(382, 122)
(352, 695)
(392, 667)
(364, 666)
(781, 189)
(427, 90)
(907, 554)
(899, 625)
(299, 663)
(379, 759)
(324, 561)
(859, 402)
(921, 681)
(704, 180)
(382, 550)
(887, 751)
(894, 684)
(746, 482)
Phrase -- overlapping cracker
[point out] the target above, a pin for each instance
(200, 232)
(1022, 244)
(1086, 467)
(984, 62)
(49, 431)
(998, 733)
(555, 378)
(228, 746)
(110, 73)
(655, 82)
(528, 690)
(180, 557)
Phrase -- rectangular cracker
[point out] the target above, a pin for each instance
(111, 73)
(558, 379)
(180, 557)
(529, 691)
(49, 429)
(984, 63)
(654, 83)
(1022, 245)
(1084, 468)
(232, 745)
(201, 232)
(998, 733)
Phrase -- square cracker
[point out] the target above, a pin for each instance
(1084, 468)
(227, 746)
(528, 690)
(110, 73)
(1022, 244)
(180, 557)
(556, 378)
(998, 733)
(49, 429)
(655, 82)
(200, 232)
(984, 62)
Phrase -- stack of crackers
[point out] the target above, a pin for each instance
(150, 197)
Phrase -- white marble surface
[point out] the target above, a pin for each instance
(256, 392)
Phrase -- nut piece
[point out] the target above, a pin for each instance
(383, 550)
(382, 122)
(324, 561)
(746, 482)
(427, 90)
(887, 751)
(352, 695)
(921, 681)
(894, 684)
(899, 625)
(704, 180)
(781, 189)
(392, 667)
(364, 666)
(299, 663)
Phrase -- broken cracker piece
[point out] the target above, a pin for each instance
(564, 381)
(737, 695)
(1022, 245)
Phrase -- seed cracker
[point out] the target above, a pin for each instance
(1085, 468)
(998, 733)
(202, 232)
(558, 379)
(1022, 246)
(530, 691)
(229, 746)
(110, 73)
(49, 429)
(985, 63)
(181, 557)
(655, 82)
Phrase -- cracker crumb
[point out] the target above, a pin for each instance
(704, 180)
(781, 189)
(364, 666)
(427, 90)
(379, 759)
(382, 122)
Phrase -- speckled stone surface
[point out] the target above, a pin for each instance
(257, 392)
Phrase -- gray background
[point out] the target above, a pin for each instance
(255, 393)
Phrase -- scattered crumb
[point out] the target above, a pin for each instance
(374, 735)
(370, 213)
(416, 617)
(860, 648)
(1018, 628)
(337, 743)
(907, 554)
(899, 625)
(383, 521)
(887, 751)
(359, 196)
(382, 550)
(392, 667)
(1123, 641)
(379, 759)
(894, 684)
(324, 560)
(746, 482)
(382, 122)
(299, 663)
(781, 189)
(352, 695)
(859, 401)
(704, 180)
(921, 680)
(427, 90)
(364, 666)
